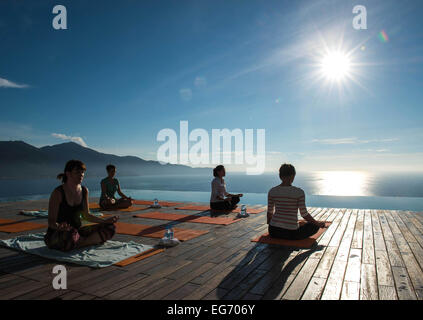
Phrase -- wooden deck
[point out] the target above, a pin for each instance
(365, 254)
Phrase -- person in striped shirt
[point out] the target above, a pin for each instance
(283, 204)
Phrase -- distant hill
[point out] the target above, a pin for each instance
(22, 160)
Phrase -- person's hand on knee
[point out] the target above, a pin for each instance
(320, 224)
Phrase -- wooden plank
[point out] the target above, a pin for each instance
(386, 230)
(71, 295)
(412, 217)
(338, 235)
(240, 273)
(269, 279)
(394, 254)
(408, 236)
(85, 297)
(176, 284)
(324, 241)
(353, 270)
(325, 264)
(415, 273)
(383, 268)
(335, 281)
(385, 280)
(368, 252)
(117, 284)
(418, 234)
(400, 241)
(242, 288)
(212, 272)
(344, 246)
(301, 281)
(379, 241)
(334, 284)
(357, 241)
(387, 293)
(277, 258)
(281, 285)
(96, 279)
(215, 294)
(208, 289)
(34, 292)
(350, 290)
(250, 296)
(314, 289)
(403, 284)
(391, 222)
(368, 286)
(182, 292)
(20, 289)
(145, 292)
(147, 284)
(417, 250)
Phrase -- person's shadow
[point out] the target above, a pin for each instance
(263, 272)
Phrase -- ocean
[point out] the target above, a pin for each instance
(340, 189)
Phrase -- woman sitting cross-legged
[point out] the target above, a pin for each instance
(284, 201)
(220, 199)
(109, 186)
(67, 204)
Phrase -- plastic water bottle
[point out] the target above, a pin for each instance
(243, 210)
(167, 235)
(243, 213)
(156, 202)
(169, 240)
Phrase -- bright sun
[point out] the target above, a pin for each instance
(335, 66)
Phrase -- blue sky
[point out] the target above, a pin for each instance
(122, 72)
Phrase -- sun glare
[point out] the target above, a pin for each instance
(342, 183)
(335, 66)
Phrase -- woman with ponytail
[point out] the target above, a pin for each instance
(220, 199)
(67, 205)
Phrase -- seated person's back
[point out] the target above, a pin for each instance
(287, 200)
(283, 203)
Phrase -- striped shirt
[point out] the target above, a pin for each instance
(218, 189)
(283, 203)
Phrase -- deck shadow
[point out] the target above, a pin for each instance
(263, 272)
(20, 262)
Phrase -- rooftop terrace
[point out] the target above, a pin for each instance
(364, 254)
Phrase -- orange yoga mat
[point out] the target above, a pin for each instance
(195, 208)
(205, 208)
(156, 231)
(130, 209)
(10, 226)
(304, 243)
(186, 218)
(162, 203)
(139, 257)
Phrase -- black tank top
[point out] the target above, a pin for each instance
(70, 214)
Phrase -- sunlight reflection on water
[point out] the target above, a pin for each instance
(342, 183)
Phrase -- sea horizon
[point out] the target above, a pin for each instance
(340, 189)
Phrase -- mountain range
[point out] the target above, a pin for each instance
(22, 160)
